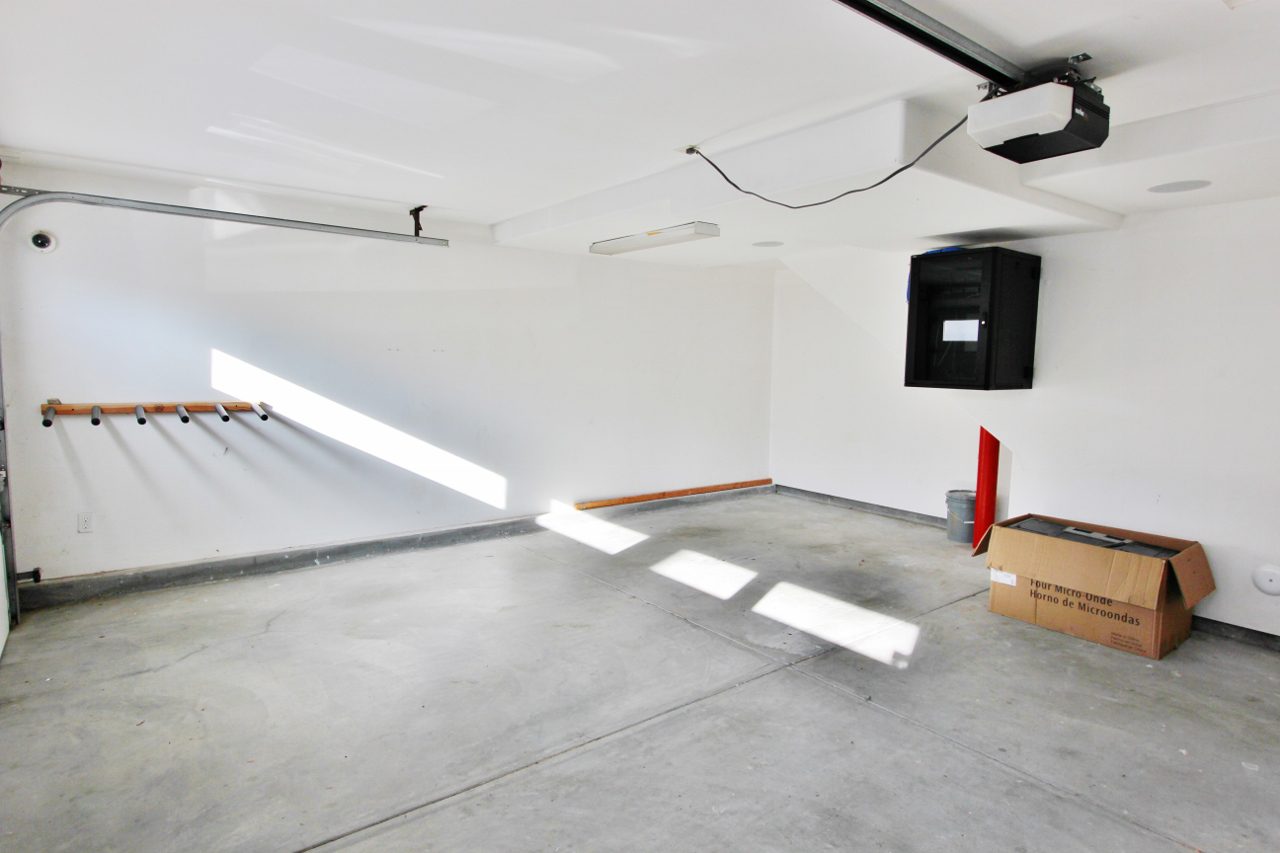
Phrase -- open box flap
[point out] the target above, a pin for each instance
(1195, 579)
(985, 541)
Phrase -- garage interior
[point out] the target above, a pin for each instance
(495, 428)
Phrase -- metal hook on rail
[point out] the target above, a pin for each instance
(95, 416)
(140, 413)
(222, 412)
(49, 413)
(257, 410)
(182, 413)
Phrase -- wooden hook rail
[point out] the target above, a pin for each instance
(95, 411)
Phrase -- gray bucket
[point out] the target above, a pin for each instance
(960, 504)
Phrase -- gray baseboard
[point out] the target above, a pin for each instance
(1234, 632)
(877, 509)
(54, 593)
(72, 590)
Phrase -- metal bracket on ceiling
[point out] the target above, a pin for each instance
(1065, 71)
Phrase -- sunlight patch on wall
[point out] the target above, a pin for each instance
(704, 573)
(243, 381)
(882, 638)
(588, 529)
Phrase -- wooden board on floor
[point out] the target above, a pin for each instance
(678, 493)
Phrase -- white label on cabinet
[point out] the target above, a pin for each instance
(959, 330)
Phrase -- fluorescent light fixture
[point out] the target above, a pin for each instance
(657, 237)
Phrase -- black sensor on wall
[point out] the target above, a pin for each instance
(971, 319)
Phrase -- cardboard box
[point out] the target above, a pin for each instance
(1128, 601)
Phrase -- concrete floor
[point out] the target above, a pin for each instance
(533, 693)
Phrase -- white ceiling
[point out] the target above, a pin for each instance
(518, 113)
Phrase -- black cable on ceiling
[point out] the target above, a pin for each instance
(693, 149)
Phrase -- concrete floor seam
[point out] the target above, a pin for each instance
(1056, 790)
(973, 594)
(561, 753)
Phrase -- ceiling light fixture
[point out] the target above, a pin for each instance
(1179, 186)
(768, 244)
(657, 237)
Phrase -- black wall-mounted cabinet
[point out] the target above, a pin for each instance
(971, 320)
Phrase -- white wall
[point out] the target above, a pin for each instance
(571, 377)
(1156, 403)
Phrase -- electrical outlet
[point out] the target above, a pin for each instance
(84, 522)
(1267, 579)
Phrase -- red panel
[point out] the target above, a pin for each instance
(984, 513)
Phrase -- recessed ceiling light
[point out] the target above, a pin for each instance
(768, 244)
(1178, 187)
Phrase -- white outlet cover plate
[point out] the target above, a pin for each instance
(1267, 579)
